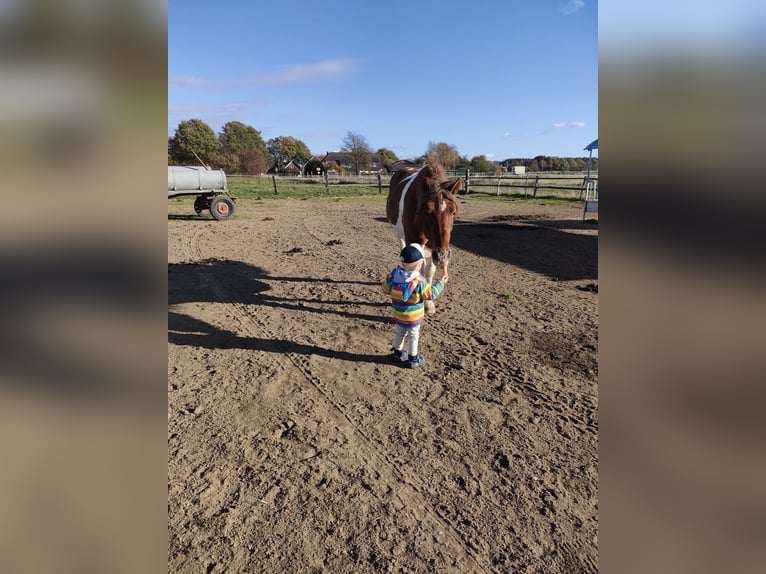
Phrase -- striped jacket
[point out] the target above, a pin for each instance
(408, 292)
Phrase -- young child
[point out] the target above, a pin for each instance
(409, 290)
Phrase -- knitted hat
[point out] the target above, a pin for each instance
(412, 253)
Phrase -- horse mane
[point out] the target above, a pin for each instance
(433, 172)
(402, 165)
(435, 176)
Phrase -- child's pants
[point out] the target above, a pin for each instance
(413, 336)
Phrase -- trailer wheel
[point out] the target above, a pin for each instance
(221, 208)
(201, 203)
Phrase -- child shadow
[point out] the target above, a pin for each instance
(184, 330)
(238, 283)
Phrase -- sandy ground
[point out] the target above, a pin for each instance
(296, 445)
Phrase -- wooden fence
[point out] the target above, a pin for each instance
(560, 185)
(565, 185)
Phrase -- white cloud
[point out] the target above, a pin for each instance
(561, 125)
(490, 156)
(507, 134)
(299, 73)
(179, 82)
(572, 6)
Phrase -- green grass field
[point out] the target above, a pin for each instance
(251, 189)
(259, 187)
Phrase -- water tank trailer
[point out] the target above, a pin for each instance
(209, 185)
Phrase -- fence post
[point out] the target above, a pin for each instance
(498, 185)
(274, 181)
(326, 182)
(526, 184)
(380, 185)
(534, 192)
(467, 180)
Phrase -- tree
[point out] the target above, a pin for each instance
(356, 145)
(387, 157)
(463, 163)
(252, 161)
(282, 149)
(480, 164)
(447, 154)
(303, 154)
(243, 147)
(577, 164)
(238, 137)
(550, 163)
(228, 161)
(193, 137)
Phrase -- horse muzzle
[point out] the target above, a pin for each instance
(441, 257)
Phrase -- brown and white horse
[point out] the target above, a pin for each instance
(421, 206)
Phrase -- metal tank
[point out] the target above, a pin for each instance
(209, 185)
(190, 180)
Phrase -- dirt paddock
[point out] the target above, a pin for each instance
(296, 445)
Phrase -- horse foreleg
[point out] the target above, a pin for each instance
(400, 237)
(429, 272)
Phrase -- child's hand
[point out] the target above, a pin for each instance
(444, 278)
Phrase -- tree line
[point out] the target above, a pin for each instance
(451, 159)
(240, 148)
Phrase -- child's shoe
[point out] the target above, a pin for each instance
(416, 361)
(399, 355)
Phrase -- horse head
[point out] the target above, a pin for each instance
(438, 211)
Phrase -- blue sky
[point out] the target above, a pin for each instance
(501, 78)
(682, 29)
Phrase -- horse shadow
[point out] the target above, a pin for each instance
(538, 245)
(201, 282)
